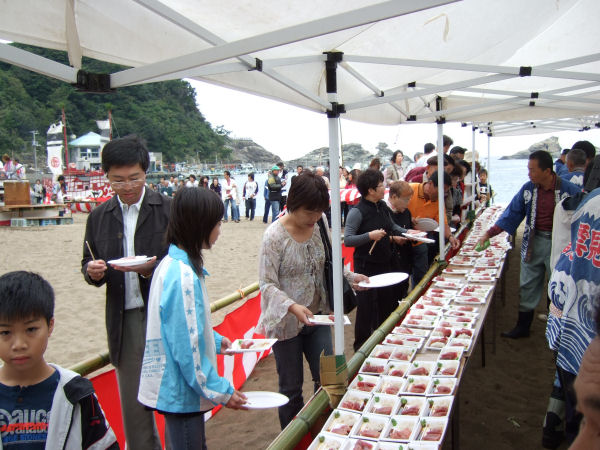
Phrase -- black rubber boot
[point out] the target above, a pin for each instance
(520, 330)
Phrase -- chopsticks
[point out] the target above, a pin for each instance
(372, 247)
(90, 249)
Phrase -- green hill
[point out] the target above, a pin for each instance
(164, 113)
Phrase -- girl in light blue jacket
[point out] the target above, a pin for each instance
(179, 373)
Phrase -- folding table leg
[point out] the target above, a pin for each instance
(482, 345)
(456, 423)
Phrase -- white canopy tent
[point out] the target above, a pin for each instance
(497, 64)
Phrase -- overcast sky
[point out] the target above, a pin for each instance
(291, 132)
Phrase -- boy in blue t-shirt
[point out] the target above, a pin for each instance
(42, 406)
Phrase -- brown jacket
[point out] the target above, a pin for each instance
(104, 232)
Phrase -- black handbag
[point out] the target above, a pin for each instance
(350, 301)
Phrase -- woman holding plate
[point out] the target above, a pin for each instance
(291, 279)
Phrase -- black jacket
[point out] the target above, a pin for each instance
(104, 232)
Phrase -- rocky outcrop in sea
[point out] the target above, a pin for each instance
(550, 145)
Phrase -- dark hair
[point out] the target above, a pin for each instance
(127, 151)
(457, 171)
(194, 214)
(60, 178)
(394, 155)
(591, 176)
(465, 164)
(428, 148)
(434, 179)
(24, 295)
(543, 159)
(483, 171)
(449, 161)
(192, 176)
(456, 149)
(375, 162)
(577, 157)
(369, 179)
(432, 161)
(251, 175)
(447, 141)
(300, 166)
(587, 147)
(227, 172)
(308, 191)
(355, 173)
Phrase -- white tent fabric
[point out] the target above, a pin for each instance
(469, 53)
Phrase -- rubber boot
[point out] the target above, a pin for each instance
(521, 330)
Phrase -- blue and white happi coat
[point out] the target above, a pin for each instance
(574, 287)
(179, 371)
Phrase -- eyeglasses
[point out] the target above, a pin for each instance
(133, 183)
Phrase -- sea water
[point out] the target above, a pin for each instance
(505, 176)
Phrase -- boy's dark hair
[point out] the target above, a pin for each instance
(432, 161)
(308, 191)
(369, 179)
(193, 176)
(456, 150)
(127, 151)
(577, 156)
(543, 159)
(251, 176)
(227, 172)
(449, 161)
(434, 179)
(190, 235)
(24, 295)
(483, 171)
(587, 147)
(465, 164)
(447, 141)
(428, 148)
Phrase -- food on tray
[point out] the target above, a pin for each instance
(354, 402)
(432, 302)
(342, 423)
(400, 431)
(418, 369)
(463, 332)
(468, 300)
(370, 428)
(439, 407)
(396, 370)
(441, 387)
(403, 354)
(441, 331)
(364, 384)
(416, 386)
(447, 368)
(372, 368)
(449, 355)
(438, 342)
(328, 444)
(362, 445)
(382, 405)
(390, 386)
(431, 432)
(383, 353)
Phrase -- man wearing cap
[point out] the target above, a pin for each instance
(274, 185)
(560, 165)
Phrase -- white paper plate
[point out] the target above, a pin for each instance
(437, 229)
(384, 279)
(130, 261)
(324, 319)
(426, 224)
(258, 345)
(412, 237)
(264, 399)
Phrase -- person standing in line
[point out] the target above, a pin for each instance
(292, 285)
(428, 152)
(39, 192)
(274, 184)
(250, 193)
(576, 163)
(231, 197)
(215, 186)
(371, 231)
(299, 170)
(284, 185)
(132, 223)
(395, 171)
(192, 181)
(179, 375)
(535, 203)
(267, 201)
(560, 165)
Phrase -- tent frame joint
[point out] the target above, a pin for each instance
(97, 83)
(525, 71)
(336, 110)
(258, 65)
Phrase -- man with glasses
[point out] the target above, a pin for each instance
(132, 223)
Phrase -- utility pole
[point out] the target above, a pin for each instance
(34, 144)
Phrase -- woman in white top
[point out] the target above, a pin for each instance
(291, 267)
(394, 172)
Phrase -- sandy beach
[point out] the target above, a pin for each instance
(502, 405)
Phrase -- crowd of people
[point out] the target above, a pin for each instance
(160, 335)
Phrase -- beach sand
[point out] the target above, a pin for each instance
(502, 405)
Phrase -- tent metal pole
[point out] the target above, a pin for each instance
(473, 159)
(440, 175)
(488, 162)
(333, 120)
(36, 63)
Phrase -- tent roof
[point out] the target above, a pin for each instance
(89, 140)
(469, 61)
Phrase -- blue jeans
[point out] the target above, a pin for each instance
(186, 431)
(235, 210)
(267, 209)
(274, 210)
(311, 341)
(250, 208)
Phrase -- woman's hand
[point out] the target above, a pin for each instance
(358, 277)
(377, 235)
(399, 240)
(237, 401)
(302, 313)
(225, 345)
